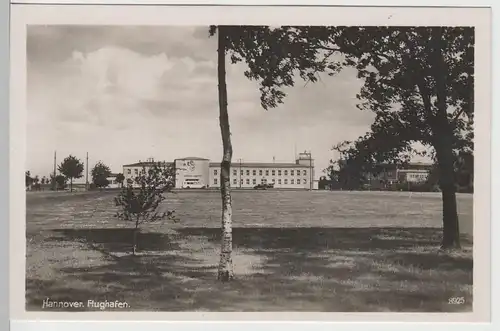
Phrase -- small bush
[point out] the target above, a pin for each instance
(140, 200)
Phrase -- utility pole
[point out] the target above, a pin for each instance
(87, 173)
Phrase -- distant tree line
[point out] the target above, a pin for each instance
(345, 174)
(71, 168)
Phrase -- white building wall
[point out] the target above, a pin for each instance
(248, 177)
(131, 172)
(112, 182)
(192, 173)
(415, 176)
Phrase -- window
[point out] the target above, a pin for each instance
(304, 180)
(298, 172)
(136, 171)
(286, 181)
(248, 181)
(291, 181)
(235, 181)
(215, 172)
(279, 181)
(254, 172)
(274, 180)
(254, 181)
(305, 172)
(263, 181)
(298, 180)
(248, 172)
(260, 172)
(274, 172)
(129, 171)
(279, 172)
(234, 172)
(241, 173)
(291, 172)
(215, 180)
(267, 172)
(241, 181)
(286, 172)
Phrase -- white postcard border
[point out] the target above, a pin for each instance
(113, 15)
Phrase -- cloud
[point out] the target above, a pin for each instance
(128, 93)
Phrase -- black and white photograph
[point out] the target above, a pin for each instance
(251, 168)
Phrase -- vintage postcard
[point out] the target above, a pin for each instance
(256, 163)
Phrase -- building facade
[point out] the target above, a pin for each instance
(191, 172)
(113, 183)
(131, 171)
(390, 174)
(196, 172)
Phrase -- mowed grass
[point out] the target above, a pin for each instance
(293, 251)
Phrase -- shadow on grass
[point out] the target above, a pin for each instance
(299, 269)
(116, 240)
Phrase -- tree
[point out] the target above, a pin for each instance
(60, 182)
(36, 183)
(44, 180)
(465, 171)
(28, 179)
(141, 205)
(71, 168)
(100, 174)
(272, 60)
(120, 178)
(347, 172)
(419, 81)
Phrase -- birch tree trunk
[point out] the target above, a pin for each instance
(225, 272)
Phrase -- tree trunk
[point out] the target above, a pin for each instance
(136, 229)
(443, 133)
(71, 184)
(451, 231)
(226, 264)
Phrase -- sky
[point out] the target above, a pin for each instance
(125, 94)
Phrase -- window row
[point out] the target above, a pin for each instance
(264, 181)
(261, 172)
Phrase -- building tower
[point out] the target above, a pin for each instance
(305, 159)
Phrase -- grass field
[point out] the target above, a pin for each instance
(293, 251)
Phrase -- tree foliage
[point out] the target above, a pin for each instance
(140, 203)
(276, 57)
(59, 182)
(272, 60)
(28, 179)
(120, 178)
(71, 168)
(419, 82)
(100, 174)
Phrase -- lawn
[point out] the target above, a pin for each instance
(293, 251)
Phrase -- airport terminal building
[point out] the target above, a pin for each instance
(196, 172)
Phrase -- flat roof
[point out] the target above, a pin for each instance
(261, 165)
(193, 158)
(145, 164)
